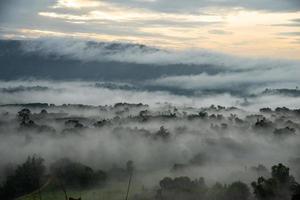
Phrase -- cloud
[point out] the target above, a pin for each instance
(290, 33)
(245, 83)
(125, 52)
(100, 18)
(220, 32)
(209, 70)
(13, 10)
(200, 5)
(293, 23)
(182, 25)
(212, 76)
(76, 4)
(296, 41)
(82, 92)
(288, 24)
(296, 20)
(212, 72)
(241, 82)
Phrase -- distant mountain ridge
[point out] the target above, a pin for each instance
(284, 92)
(37, 62)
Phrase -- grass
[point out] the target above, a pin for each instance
(112, 191)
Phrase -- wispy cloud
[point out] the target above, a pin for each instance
(220, 32)
(217, 25)
(291, 23)
(197, 6)
(290, 33)
(77, 4)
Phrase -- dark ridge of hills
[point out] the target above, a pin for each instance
(284, 92)
(15, 63)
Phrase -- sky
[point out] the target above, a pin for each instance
(258, 28)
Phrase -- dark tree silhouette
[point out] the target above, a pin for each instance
(27, 178)
(237, 191)
(281, 186)
(74, 174)
(162, 133)
(24, 115)
(181, 188)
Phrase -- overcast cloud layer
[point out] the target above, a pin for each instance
(230, 26)
(135, 53)
(209, 72)
(198, 5)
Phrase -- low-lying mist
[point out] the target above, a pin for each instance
(221, 144)
(107, 93)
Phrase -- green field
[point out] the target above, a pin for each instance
(112, 191)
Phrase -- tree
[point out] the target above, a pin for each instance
(24, 114)
(162, 133)
(216, 192)
(237, 191)
(26, 178)
(74, 174)
(129, 167)
(181, 188)
(280, 186)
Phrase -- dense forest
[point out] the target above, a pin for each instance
(167, 152)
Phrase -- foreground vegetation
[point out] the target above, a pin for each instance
(67, 179)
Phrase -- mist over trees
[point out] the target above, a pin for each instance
(171, 152)
(32, 176)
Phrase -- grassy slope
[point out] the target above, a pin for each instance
(115, 191)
